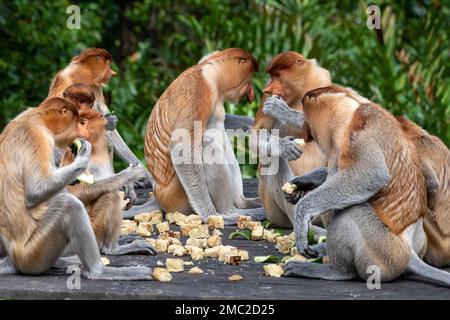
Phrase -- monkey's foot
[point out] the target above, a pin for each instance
(136, 247)
(320, 248)
(65, 262)
(257, 214)
(7, 267)
(316, 271)
(128, 239)
(124, 273)
(318, 232)
(311, 180)
(249, 203)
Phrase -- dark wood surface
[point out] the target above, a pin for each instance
(214, 284)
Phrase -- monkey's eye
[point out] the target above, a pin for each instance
(97, 58)
(242, 60)
(83, 122)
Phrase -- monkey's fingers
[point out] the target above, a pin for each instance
(129, 238)
(294, 197)
(310, 180)
(111, 122)
(310, 253)
(130, 194)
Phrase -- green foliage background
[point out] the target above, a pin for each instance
(152, 41)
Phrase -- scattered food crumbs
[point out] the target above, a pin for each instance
(162, 274)
(273, 270)
(235, 277)
(195, 270)
(174, 265)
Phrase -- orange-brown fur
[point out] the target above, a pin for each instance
(403, 201)
(105, 209)
(187, 99)
(292, 75)
(26, 146)
(434, 153)
(91, 67)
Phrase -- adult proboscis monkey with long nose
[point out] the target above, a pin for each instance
(186, 147)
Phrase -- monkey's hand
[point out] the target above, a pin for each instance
(111, 121)
(301, 227)
(277, 108)
(288, 149)
(83, 155)
(305, 183)
(133, 173)
(130, 194)
(144, 183)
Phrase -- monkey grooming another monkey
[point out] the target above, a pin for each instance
(292, 75)
(92, 68)
(187, 122)
(376, 197)
(102, 198)
(38, 218)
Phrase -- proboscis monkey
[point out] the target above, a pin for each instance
(435, 159)
(38, 217)
(375, 192)
(187, 124)
(102, 198)
(292, 75)
(92, 68)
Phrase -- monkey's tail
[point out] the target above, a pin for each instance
(419, 267)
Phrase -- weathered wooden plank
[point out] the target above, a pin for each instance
(214, 284)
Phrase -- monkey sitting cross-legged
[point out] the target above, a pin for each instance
(186, 147)
(375, 193)
(38, 217)
(102, 198)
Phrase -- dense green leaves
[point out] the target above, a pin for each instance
(153, 41)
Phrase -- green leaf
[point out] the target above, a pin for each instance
(280, 232)
(310, 236)
(315, 260)
(266, 259)
(266, 224)
(247, 234)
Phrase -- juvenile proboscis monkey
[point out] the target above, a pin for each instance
(92, 68)
(102, 198)
(38, 218)
(375, 192)
(195, 100)
(292, 75)
(435, 159)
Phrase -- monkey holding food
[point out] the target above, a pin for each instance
(38, 217)
(102, 197)
(291, 76)
(375, 191)
(92, 68)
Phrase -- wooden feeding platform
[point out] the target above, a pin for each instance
(214, 283)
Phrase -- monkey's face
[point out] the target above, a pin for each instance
(91, 125)
(277, 87)
(243, 73)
